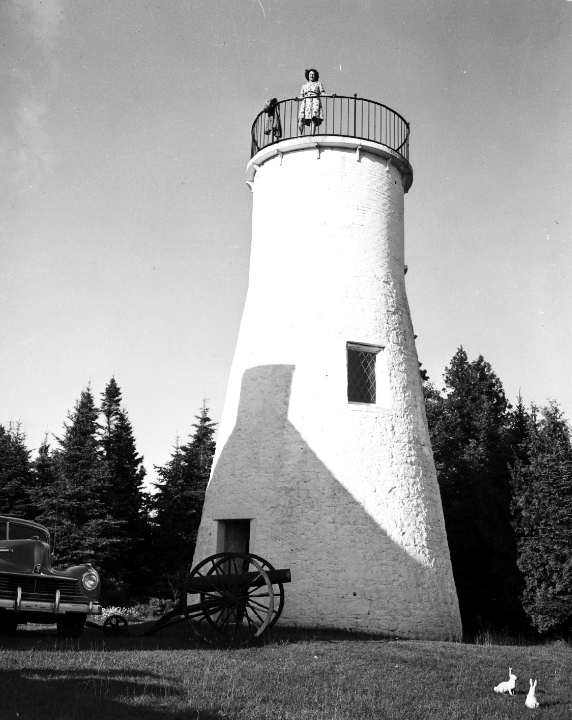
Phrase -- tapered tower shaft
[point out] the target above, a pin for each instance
(323, 462)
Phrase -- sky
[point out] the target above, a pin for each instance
(125, 217)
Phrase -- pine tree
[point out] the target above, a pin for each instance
(16, 478)
(47, 487)
(468, 424)
(542, 516)
(43, 466)
(173, 511)
(77, 508)
(126, 500)
(198, 454)
(178, 503)
(120, 453)
(518, 431)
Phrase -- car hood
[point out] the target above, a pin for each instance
(25, 556)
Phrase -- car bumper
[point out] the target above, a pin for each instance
(55, 608)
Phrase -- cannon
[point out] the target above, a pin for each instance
(235, 597)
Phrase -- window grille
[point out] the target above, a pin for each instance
(361, 374)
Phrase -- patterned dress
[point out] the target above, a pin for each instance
(311, 105)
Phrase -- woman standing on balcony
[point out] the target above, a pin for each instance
(310, 112)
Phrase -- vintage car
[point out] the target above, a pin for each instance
(32, 591)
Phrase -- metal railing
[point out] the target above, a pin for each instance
(342, 116)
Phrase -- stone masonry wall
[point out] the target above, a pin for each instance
(345, 495)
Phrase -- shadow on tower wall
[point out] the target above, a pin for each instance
(346, 571)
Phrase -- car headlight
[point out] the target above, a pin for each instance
(90, 580)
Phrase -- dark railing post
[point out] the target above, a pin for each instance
(355, 106)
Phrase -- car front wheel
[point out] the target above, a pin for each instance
(71, 625)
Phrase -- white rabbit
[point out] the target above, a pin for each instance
(531, 701)
(508, 685)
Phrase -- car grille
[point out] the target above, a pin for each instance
(40, 589)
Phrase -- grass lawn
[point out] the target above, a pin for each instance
(291, 676)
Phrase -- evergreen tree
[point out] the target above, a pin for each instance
(171, 548)
(16, 478)
(468, 424)
(542, 516)
(43, 467)
(179, 501)
(76, 509)
(198, 454)
(125, 500)
(47, 487)
(518, 431)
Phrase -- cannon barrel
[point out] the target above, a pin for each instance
(234, 581)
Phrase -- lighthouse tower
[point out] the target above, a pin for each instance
(323, 462)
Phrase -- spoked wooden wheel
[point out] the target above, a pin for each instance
(278, 588)
(115, 625)
(235, 597)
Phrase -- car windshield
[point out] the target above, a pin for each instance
(19, 531)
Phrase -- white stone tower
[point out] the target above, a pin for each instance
(323, 461)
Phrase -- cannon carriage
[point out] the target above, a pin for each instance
(228, 596)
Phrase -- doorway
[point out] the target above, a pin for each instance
(233, 536)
